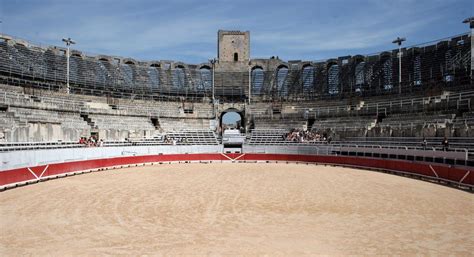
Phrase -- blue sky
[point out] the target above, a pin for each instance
(186, 30)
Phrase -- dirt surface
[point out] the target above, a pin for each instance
(236, 209)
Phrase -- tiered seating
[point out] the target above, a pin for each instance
(22, 146)
(9, 121)
(344, 126)
(260, 109)
(464, 126)
(419, 124)
(66, 119)
(121, 122)
(177, 124)
(19, 124)
(432, 142)
(381, 105)
(282, 124)
(408, 120)
(192, 137)
(268, 137)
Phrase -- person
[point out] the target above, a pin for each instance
(445, 144)
(424, 143)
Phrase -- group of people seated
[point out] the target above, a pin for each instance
(174, 141)
(300, 136)
(91, 141)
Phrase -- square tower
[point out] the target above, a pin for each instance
(233, 46)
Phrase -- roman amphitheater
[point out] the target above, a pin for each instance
(354, 155)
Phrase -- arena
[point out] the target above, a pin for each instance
(356, 154)
(236, 209)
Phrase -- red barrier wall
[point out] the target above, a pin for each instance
(436, 171)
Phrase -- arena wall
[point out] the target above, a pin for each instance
(458, 176)
(31, 158)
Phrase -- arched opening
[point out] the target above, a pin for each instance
(205, 79)
(387, 69)
(154, 78)
(127, 75)
(448, 68)
(257, 80)
(236, 57)
(282, 83)
(20, 44)
(74, 62)
(417, 70)
(179, 77)
(307, 78)
(232, 119)
(103, 77)
(333, 79)
(359, 77)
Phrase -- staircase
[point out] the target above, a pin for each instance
(86, 118)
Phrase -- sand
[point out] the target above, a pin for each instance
(236, 209)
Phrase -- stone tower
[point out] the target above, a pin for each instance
(233, 46)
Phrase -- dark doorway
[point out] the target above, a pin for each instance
(236, 57)
(155, 122)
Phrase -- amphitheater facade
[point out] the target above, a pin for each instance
(302, 171)
(344, 106)
(265, 92)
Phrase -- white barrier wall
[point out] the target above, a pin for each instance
(17, 159)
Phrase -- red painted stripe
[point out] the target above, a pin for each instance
(444, 172)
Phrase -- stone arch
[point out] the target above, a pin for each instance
(281, 80)
(21, 43)
(360, 77)
(333, 80)
(154, 76)
(416, 78)
(104, 58)
(179, 77)
(387, 71)
(205, 66)
(257, 79)
(241, 113)
(77, 55)
(307, 77)
(205, 78)
(130, 62)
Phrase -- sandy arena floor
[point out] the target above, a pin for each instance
(236, 209)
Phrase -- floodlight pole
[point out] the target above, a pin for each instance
(68, 42)
(399, 42)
